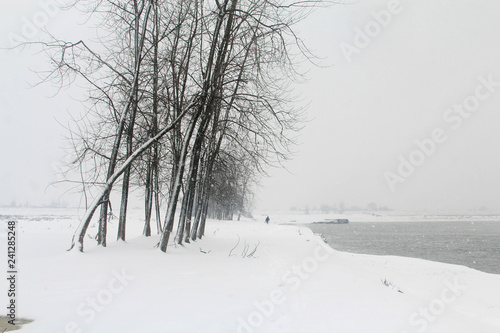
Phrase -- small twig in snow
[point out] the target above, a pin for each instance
(391, 285)
(205, 251)
(245, 250)
(230, 252)
(254, 250)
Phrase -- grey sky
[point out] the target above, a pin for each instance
(365, 110)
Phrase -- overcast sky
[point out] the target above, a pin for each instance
(406, 115)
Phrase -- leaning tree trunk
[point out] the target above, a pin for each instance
(79, 235)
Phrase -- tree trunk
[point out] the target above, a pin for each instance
(103, 217)
(156, 188)
(201, 230)
(123, 207)
(148, 198)
(200, 195)
(126, 175)
(155, 162)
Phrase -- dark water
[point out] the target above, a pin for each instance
(472, 244)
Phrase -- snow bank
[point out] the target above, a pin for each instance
(292, 282)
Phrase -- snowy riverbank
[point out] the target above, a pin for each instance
(293, 282)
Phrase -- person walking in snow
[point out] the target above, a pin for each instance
(267, 220)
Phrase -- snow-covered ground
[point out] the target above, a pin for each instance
(293, 282)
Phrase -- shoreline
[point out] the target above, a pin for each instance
(413, 250)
